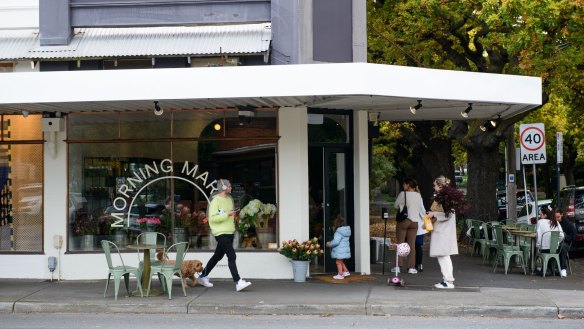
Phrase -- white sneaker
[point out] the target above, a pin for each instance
(444, 285)
(412, 271)
(563, 273)
(204, 281)
(242, 284)
(338, 277)
(393, 270)
(346, 273)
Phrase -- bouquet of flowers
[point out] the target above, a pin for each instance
(308, 250)
(254, 210)
(145, 222)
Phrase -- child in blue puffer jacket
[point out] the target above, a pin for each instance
(341, 249)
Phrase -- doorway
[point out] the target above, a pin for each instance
(330, 185)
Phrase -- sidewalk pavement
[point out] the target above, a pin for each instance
(478, 292)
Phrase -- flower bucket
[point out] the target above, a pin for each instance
(180, 234)
(300, 269)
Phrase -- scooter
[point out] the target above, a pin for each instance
(402, 249)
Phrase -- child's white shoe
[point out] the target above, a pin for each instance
(346, 273)
(338, 277)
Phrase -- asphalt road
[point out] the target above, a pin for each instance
(131, 321)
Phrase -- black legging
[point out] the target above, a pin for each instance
(224, 247)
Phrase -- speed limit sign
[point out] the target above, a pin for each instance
(532, 139)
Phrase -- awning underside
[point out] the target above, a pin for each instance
(389, 90)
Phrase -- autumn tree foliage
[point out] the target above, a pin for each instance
(522, 37)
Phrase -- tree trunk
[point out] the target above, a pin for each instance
(431, 156)
(483, 173)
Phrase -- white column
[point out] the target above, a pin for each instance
(293, 173)
(55, 199)
(361, 193)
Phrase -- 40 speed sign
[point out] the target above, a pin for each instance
(532, 140)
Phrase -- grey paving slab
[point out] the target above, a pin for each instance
(282, 297)
(570, 303)
(12, 291)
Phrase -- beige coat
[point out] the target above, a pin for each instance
(443, 240)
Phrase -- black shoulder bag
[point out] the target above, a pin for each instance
(403, 214)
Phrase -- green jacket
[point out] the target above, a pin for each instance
(219, 221)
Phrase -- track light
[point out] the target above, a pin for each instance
(157, 109)
(465, 112)
(25, 113)
(417, 107)
(489, 125)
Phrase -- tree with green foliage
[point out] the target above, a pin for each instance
(523, 37)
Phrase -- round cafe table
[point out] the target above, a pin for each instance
(146, 273)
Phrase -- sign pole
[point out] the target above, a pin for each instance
(560, 159)
(525, 186)
(535, 192)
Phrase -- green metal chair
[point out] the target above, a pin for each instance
(553, 253)
(490, 240)
(506, 250)
(119, 271)
(168, 271)
(477, 241)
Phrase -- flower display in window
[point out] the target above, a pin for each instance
(148, 222)
(253, 214)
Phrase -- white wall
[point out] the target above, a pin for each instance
(19, 14)
(361, 193)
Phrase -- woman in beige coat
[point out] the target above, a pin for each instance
(443, 242)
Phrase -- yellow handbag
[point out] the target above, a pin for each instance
(428, 223)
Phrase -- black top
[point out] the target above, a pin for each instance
(569, 230)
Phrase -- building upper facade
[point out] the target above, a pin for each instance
(303, 31)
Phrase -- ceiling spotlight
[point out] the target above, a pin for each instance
(417, 107)
(489, 125)
(157, 109)
(25, 113)
(465, 112)
(217, 126)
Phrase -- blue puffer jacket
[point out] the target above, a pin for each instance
(340, 243)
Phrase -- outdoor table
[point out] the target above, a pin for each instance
(146, 273)
(532, 236)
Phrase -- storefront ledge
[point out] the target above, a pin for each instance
(275, 309)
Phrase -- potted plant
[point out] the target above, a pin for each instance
(300, 255)
(86, 227)
(148, 224)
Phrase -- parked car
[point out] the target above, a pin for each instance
(30, 199)
(502, 202)
(528, 214)
(572, 203)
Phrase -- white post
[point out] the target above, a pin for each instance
(293, 173)
(361, 192)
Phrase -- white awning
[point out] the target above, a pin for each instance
(387, 89)
(140, 41)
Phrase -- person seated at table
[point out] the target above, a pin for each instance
(547, 223)
(570, 236)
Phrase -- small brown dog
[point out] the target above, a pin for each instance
(188, 268)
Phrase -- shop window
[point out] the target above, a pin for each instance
(328, 128)
(127, 180)
(21, 184)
